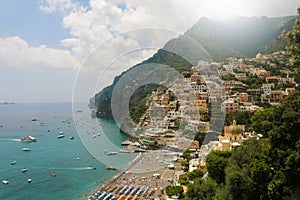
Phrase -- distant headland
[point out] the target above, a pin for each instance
(7, 103)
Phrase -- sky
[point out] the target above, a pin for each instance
(66, 50)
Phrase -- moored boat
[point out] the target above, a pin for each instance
(5, 182)
(60, 136)
(26, 149)
(29, 180)
(110, 153)
(110, 168)
(13, 162)
(24, 169)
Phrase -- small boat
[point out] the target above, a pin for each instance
(110, 168)
(94, 136)
(110, 153)
(24, 169)
(13, 162)
(5, 182)
(72, 137)
(61, 133)
(98, 134)
(26, 149)
(34, 120)
(29, 180)
(28, 139)
(53, 175)
(60, 136)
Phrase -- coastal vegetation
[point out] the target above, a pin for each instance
(260, 169)
(264, 167)
(268, 168)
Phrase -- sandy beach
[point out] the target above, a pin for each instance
(145, 178)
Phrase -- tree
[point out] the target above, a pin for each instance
(239, 183)
(195, 174)
(248, 172)
(183, 179)
(200, 136)
(293, 38)
(202, 189)
(187, 154)
(185, 165)
(174, 191)
(240, 117)
(281, 125)
(216, 162)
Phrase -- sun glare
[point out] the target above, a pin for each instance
(225, 9)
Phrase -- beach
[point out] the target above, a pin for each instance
(145, 178)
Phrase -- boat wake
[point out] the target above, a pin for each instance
(74, 168)
(11, 140)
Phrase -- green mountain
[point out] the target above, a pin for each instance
(207, 40)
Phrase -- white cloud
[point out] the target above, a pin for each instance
(15, 52)
(111, 28)
(50, 6)
(102, 19)
(92, 24)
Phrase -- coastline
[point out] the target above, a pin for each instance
(112, 180)
(141, 173)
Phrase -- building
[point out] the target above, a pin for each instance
(233, 136)
(241, 97)
(267, 88)
(197, 126)
(276, 96)
(288, 91)
(230, 106)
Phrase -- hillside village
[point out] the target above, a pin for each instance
(175, 115)
(220, 130)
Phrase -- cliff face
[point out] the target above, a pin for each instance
(210, 41)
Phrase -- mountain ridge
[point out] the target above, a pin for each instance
(217, 39)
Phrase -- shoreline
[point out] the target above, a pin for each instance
(115, 177)
(148, 172)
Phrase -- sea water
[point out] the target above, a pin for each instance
(72, 161)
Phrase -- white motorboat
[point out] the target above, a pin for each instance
(24, 169)
(60, 136)
(110, 153)
(13, 162)
(28, 139)
(5, 182)
(26, 149)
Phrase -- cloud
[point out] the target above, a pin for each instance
(112, 28)
(15, 52)
(95, 22)
(51, 6)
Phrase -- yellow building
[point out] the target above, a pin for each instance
(233, 136)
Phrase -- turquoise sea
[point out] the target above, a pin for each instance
(71, 160)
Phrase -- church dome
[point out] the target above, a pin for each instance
(235, 129)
